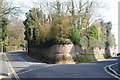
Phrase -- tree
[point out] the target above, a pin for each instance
(60, 26)
(13, 35)
(91, 32)
(58, 7)
(4, 23)
(1, 8)
(5, 10)
(49, 22)
(35, 26)
(110, 40)
(3, 31)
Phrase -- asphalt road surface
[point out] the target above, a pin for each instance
(22, 66)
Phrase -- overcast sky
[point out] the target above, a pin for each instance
(109, 13)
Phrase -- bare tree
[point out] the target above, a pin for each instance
(8, 8)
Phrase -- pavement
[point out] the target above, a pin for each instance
(3, 67)
(24, 67)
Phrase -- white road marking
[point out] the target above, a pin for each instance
(11, 68)
(32, 58)
(36, 63)
(28, 71)
(24, 60)
(35, 69)
(33, 63)
(113, 70)
(105, 68)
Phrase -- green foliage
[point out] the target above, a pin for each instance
(32, 24)
(4, 22)
(64, 58)
(86, 58)
(67, 24)
(3, 31)
(107, 55)
(58, 5)
(61, 27)
(111, 40)
(15, 36)
(83, 41)
(93, 43)
(62, 41)
(27, 34)
(108, 26)
(12, 33)
(75, 36)
(101, 43)
(92, 31)
(92, 34)
(35, 34)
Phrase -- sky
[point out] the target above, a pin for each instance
(111, 14)
(108, 13)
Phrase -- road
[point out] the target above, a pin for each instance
(23, 67)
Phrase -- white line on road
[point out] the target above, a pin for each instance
(24, 60)
(11, 68)
(34, 59)
(108, 66)
(35, 69)
(34, 63)
(113, 70)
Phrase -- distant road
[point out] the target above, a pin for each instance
(26, 67)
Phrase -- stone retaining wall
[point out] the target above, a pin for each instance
(68, 54)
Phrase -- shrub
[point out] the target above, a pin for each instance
(62, 41)
(75, 36)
